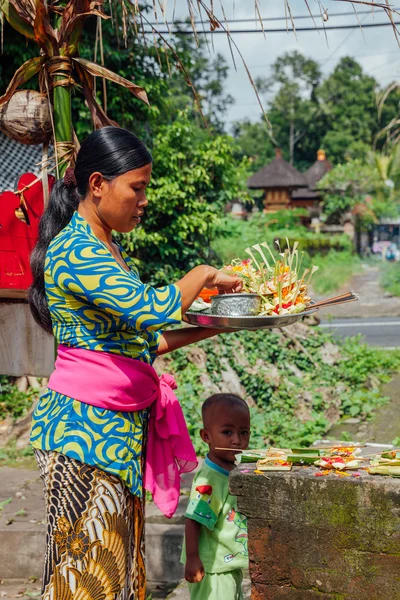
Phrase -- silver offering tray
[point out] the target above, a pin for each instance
(205, 319)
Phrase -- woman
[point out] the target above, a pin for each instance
(109, 325)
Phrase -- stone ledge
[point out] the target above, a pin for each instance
(325, 538)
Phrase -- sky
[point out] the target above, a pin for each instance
(376, 49)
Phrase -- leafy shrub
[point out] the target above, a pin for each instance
(391, 278)
(13, 402)
(294, 391)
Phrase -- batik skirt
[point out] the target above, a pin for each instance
(95, 533)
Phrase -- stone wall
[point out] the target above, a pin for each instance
(321, 538)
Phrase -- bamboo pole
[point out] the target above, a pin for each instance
(62, 109)
(62, 122)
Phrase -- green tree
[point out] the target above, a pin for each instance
(294, 112)
(389, 112)
(338, 114)
(254, 141)
(297, 120)
(208, 76)
(156, 69)
(348, 100)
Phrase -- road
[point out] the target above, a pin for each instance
(382, 331)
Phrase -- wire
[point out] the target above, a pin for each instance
(288, 30)
(342, 43)
(340, 14)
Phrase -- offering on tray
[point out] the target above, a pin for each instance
(281, 282)
(282, 459)
(391, 471)
(250, 456)
(334, 459)
(272, 286)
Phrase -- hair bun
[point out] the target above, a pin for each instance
(69, 178)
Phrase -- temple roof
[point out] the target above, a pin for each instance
(313, 175)
(277, 174)
(318, 169)
(305, 194)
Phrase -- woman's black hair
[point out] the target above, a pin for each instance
(111, 151)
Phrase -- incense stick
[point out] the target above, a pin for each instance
(340, 297)
(333, 301)
(337, 446)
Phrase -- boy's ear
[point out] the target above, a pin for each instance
(205, 436)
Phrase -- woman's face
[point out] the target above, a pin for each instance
(120, 203)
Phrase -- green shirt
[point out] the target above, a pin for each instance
(223, 537)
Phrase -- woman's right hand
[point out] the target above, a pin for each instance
(223, 282)
(205, 276)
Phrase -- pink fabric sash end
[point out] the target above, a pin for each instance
(124, 384)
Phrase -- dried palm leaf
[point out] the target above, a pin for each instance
(100, 71)
(26, 71)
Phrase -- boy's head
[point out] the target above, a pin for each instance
(226, 424)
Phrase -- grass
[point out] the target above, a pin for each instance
(335, 270)
(390, 278)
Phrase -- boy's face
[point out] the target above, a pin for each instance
(226, 427)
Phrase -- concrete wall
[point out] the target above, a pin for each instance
(25, 349)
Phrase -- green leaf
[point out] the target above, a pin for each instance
(5, 502)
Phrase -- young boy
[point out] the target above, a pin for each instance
(215, 532)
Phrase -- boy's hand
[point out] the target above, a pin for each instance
(194, 569)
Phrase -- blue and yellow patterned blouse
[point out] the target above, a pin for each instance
(95, 304)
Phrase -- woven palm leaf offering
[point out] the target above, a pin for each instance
(341, 459)
(334, 459)
(388, 463)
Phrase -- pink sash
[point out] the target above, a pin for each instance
(124, 384)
